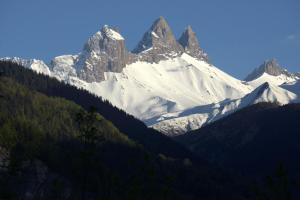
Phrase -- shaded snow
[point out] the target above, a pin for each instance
(174, 95)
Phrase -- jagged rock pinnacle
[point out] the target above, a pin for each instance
(270, 67)
(104, 51)
(189, 42)
(158, 43)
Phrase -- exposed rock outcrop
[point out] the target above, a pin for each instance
(270, 67)
(158, 43)
(189, 42)
(105, 51)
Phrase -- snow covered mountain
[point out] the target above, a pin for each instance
(177, 123)
(33, 64)
(167, 83)
(271, 71)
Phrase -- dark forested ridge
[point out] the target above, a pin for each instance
(51, 148)
(127, 124)
(252, 141)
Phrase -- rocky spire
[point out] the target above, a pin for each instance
(104, 51)
(158, 43)
(270, 67)
(189, 42)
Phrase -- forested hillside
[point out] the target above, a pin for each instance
(51, 148)
(135, 129)
(252, 141)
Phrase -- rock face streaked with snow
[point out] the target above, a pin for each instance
(158, 43)
(104, 51)
(190, 43)
(166, 83)
(272, 68)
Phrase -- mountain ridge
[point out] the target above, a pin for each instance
(163, 81)
(251, 140)
(44, 143)
(270, 67)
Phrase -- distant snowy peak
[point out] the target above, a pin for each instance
(63, 67)
(271, 93)
(173, 124)
(189, 42)
(37, 65)
(274, 80)
(272, 68)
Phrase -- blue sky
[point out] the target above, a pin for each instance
(237, 34)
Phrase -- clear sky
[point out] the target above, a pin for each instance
(237, 34)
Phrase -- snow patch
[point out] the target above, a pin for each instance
(112, 34)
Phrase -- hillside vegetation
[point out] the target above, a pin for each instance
(51, 148)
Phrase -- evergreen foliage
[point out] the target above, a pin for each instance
(127, 124)
(51, 148)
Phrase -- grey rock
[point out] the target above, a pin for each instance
(105, 51)
(158, 43)
(270, 67)
(190, 43)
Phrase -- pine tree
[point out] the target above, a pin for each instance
(90, 136)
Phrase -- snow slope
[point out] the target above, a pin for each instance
(36, 65)
(174, 124)
(174, 95)
(148, 91)
(163, 85)
(274, 80)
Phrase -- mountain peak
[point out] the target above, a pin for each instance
(267, 92)
(270, 67)
(105, 51)
(95, 42)
(159, 39)
(188, 37)
(189, 42)
(161, 28)
(111, 33)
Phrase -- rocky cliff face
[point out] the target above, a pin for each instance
(158, 43)
(270, 67)
(105, 51)
(189, 42)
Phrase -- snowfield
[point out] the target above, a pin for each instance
(175, 95)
